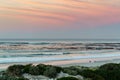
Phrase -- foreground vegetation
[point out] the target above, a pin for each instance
(109, 71)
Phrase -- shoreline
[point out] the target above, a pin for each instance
(90, 62)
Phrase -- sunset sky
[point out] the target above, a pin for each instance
(94, 19)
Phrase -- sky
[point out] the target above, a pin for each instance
(60, 19)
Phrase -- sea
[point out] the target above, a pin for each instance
(44, 50)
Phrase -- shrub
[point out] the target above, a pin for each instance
(91, 74)
(41, 68)
(15, 70)
(68, 78)
(110, 67)
(27, 68)
(5, 77)
(33, 70)
(71, 70)
(50, 72)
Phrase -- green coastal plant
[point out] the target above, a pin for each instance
(68, 78)
(110, 71)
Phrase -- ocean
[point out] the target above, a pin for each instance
(46, 50)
